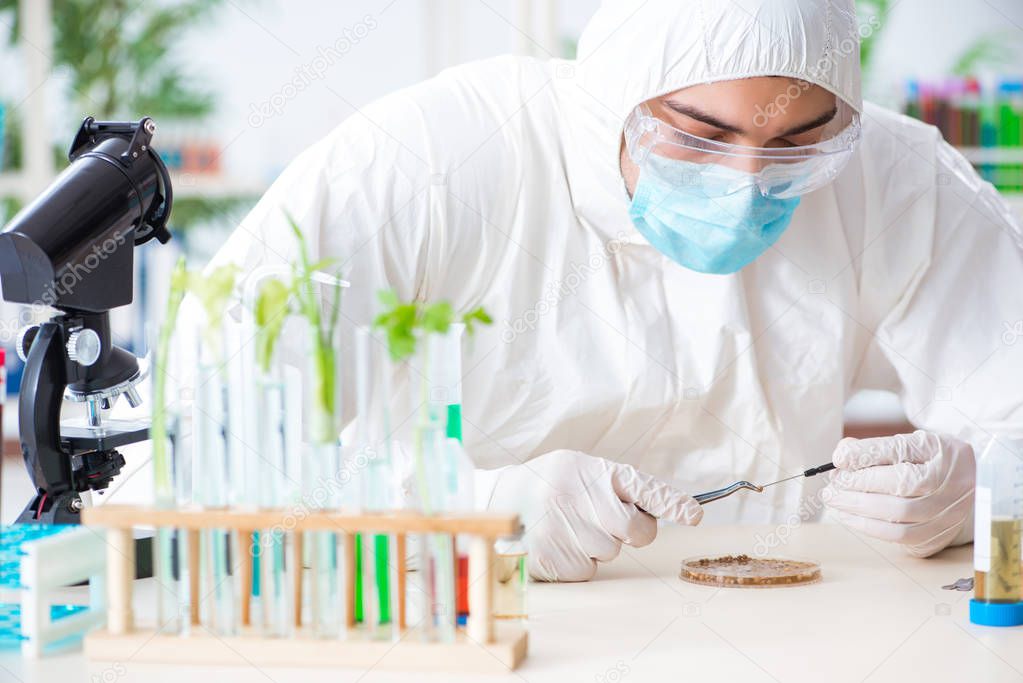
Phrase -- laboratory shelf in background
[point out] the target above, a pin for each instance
(992, 155)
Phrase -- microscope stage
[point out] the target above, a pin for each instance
(80, 436)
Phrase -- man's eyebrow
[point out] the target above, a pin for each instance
(701, 116)
(810, 125)
(710, 120)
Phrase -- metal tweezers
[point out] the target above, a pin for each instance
(702, 498)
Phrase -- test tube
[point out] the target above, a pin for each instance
(998, 525)
(510, 578)
(376, 565)
(272, 390)
(430, 376)
(211, 481)
(273, 594)
(172, 482)
(321, 482)
(447, 394)
(326, 606)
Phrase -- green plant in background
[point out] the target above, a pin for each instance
(872, 13)
(992, 49)
(119, 56)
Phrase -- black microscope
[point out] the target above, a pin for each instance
(72, 249)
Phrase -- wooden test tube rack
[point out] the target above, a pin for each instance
(481, 646)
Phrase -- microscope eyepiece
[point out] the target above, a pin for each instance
(72, 247)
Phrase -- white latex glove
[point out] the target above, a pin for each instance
(913, 489)
(578, 510)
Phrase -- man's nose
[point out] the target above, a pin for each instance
(747, 164)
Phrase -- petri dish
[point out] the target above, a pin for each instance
(743, 571)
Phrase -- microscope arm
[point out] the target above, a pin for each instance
(39, 404)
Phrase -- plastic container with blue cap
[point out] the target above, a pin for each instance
(997, 536)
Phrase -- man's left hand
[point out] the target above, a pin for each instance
(913, 489)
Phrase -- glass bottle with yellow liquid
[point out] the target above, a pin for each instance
(998, 527)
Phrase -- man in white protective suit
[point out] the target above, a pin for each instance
(696, 242)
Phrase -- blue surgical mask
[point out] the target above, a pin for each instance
(700, 221)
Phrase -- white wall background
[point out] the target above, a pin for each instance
(254, 48)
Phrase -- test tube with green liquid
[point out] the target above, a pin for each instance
(457, 496)
(434, 371)
(376, 565)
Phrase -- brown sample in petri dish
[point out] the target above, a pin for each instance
(743, 571)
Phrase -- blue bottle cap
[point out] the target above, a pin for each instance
(996, 613)
(1010, 86)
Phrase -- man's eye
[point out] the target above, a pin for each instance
(804, 139)
(716, 136)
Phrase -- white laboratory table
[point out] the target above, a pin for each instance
(878, 615)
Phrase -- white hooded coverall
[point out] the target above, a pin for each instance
(497, 184)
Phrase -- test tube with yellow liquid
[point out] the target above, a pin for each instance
(998, 528)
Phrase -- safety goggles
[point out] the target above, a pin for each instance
(723, 168)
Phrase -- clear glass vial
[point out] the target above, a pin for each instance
(998, 526)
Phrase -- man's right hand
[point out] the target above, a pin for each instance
(578, 510)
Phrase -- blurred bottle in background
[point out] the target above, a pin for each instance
(983, 119)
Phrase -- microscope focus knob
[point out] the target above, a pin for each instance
(26, 336)
(83, 346)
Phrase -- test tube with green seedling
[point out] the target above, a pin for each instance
(267, 298)
(322, 459)
(213, 444)
(423, 334)
(169, 565)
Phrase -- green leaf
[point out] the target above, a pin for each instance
(404, 323)
(213, 291)
(322, 264)
(477, 315)
(387, 298)
(272, 305)
(437, 317)
(303, 289)
(992, 49)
